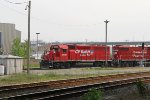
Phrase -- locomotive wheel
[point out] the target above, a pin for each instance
(61, 66)
(67, 65)
(57, 65)
(97, 64)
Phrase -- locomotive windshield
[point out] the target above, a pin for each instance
(55, 48)
(71, 46)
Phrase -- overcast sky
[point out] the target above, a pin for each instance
(80, 20)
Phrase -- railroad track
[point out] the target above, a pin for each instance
(58, 94)
(62, 85)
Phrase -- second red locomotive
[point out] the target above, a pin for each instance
(130, 55)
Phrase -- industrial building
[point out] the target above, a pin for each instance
(7, 34)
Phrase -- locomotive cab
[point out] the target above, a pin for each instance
(60, 52)
(57, 53)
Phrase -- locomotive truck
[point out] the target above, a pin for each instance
(68, 55)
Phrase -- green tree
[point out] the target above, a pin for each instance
(1, 51)
(24, 46)
(18, 48)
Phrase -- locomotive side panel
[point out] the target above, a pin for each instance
(93, 53)
(148, 54)
(128, 53)
(100, 53)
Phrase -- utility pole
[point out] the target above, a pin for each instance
(106, 63)
(28, 51)
(142, 62)
(37, 45)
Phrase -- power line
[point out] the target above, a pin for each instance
(15, 2)
(13, 9)
(47, 21)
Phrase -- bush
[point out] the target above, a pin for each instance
(93, 94)
(141, 88)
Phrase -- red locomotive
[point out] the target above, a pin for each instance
(130, 55)
(67, 55)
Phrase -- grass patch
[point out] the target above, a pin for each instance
(25, 78)
(32, 65)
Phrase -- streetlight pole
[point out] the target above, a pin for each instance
(106, 63)
(37, 45)
(28, 51)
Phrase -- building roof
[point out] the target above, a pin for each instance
(10, 57)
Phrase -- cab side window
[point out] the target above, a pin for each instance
(64, 50)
